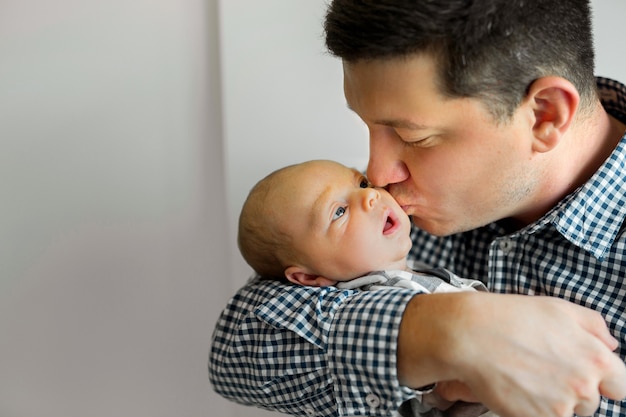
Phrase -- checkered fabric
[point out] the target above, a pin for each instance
(310, 351)
(329, 352)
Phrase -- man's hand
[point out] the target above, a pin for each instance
(518, 355)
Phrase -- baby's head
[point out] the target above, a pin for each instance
(320, 222)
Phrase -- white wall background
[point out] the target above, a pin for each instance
(127, 145)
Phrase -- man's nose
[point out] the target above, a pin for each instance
(385, 164)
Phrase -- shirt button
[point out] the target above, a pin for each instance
(372, 400)
(309, 412)
(505, 246)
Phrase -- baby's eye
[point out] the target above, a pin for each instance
(339, 212)
(364, 183)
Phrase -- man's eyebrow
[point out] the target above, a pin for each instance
(396, 123)
(401, 124)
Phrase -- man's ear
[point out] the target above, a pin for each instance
(300, 276)
(554, 102)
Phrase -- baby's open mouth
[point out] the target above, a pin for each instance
(390, 224)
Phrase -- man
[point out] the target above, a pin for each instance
(487, 126)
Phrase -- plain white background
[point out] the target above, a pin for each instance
(130, 133)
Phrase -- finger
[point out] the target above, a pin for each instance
(455, 391)
(433, 400)
(587, 407)
(613, 385)
(596, 325)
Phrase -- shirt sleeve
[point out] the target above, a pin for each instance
(310, 351)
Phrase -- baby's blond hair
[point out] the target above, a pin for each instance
(261, 240)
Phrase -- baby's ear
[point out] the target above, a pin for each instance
(300, 276)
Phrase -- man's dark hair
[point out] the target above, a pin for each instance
(488, 49)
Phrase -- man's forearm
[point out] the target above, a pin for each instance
(424, 339)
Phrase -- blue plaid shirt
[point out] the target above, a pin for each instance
(328, 352)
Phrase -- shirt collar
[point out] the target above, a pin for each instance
(592, 216)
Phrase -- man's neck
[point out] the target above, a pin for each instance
(596, 138)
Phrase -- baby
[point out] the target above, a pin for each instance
(321, 223)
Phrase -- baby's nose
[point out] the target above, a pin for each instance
(371, 195)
